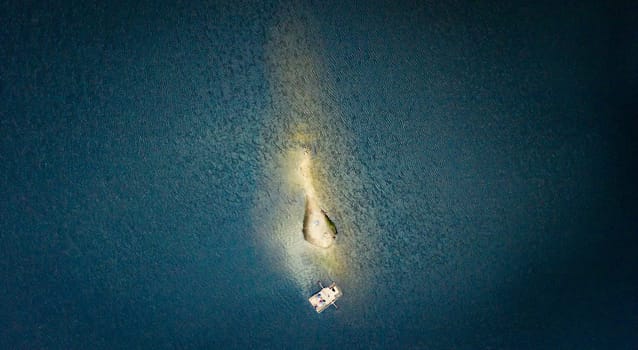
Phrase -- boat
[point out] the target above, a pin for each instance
(325, 297)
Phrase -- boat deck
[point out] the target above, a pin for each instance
(325, 297)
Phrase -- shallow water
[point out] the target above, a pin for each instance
(476, 160)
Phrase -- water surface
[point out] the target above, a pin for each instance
(477, 159)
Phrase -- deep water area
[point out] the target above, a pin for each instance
(478, 160)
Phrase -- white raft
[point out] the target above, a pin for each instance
(325, 297)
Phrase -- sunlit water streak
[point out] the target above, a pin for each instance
(302, 114)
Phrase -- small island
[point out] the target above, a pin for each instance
(318, 229)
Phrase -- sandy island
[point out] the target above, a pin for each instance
(318, 229)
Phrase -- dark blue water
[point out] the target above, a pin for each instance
(478, 159)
